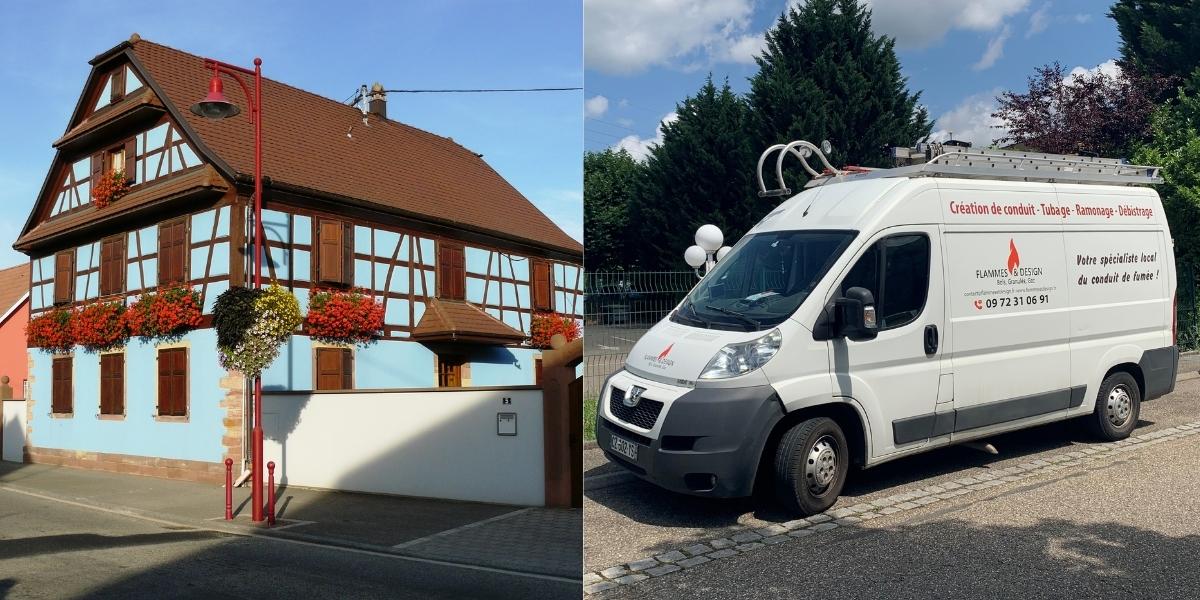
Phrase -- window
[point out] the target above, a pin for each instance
(61, 389)
(117, 85)
(449, 370)
(64, 277)
(452, 273)
(896, 271)
(335, 252)
(172, 382)
(172, 251)
(543, 286)
(335, 369)
(112, 265)
(112, 384)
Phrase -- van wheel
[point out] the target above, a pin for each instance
(1117, 407)
(811, 462)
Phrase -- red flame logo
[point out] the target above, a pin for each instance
(666, 352)
(1014, 259)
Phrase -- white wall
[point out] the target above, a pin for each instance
(435, 444)
(14, 430)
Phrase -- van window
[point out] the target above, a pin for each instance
(896, 271)
(763, 280)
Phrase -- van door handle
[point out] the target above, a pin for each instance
(931, 340)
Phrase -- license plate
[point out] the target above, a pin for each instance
(625, 448)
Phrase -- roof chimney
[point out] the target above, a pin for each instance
(377, 101)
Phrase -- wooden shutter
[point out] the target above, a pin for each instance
(112, 384)
(450, 370)
(118, 84)
(334, 369)
(172, 251)
(112, 266)
(97, 169)
(347, 254)
(542, 286)
(331, 246)
(172, 382)
(452, 273)
(60, 391)
(131, 161)
(64, 277)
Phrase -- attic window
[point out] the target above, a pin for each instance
(117, 84)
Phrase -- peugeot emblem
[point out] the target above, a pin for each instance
(633, 396)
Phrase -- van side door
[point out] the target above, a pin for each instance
(895, 376)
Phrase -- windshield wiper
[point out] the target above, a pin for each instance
(734, 313)
(696, 316)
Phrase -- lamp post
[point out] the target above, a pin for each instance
(707, 251)
(215, 106)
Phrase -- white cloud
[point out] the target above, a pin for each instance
(971, 120)
(1039, 20)
(595, 107)
(629, 36)
(917, 24)
(638, 146)
(1108, 67)
(993, 52)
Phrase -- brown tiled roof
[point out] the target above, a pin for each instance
(14, 283)
(385, 163)
(456, 320)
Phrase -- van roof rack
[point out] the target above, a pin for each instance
(941, 160)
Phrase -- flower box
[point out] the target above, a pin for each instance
(349, 317)
(51, 331)
(109, 188)
(100, 326)
(165, 315)
(545, 325)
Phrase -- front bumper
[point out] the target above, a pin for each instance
(709, 440)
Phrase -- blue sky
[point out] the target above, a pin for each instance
(329, 48)
(643, 56)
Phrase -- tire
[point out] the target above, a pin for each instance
(1118, 404)
(811, 463)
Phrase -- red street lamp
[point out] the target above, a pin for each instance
(215, 106)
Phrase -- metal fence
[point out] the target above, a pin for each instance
(618, 308)
(1187, 309)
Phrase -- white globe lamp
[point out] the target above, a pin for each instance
(709, 238)
(695, 256)
(722, 252)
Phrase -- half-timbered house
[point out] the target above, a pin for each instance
(458, 257)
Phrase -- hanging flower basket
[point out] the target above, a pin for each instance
(544, 326)
(350, 317)
(51, 331)
(109, 188)
(165, 315)
(252, 324)
(101, 326)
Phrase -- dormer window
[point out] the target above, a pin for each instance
(117, 84)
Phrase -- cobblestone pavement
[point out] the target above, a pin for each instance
(531, 536)
(636, 532)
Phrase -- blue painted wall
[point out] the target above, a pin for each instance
(139, 433)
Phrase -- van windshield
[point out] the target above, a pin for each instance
(763, 280)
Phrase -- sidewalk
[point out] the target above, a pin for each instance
(530, 540)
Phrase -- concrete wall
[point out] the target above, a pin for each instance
(13, 425)
(139, 433)
(436, 444)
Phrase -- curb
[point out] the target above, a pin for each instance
(749, 539)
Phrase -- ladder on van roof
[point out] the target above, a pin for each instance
(946, 160)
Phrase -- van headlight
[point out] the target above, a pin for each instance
(739, 359)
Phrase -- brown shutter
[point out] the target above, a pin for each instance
(541, 285)
(131, 161)
(347, 370)
(112, 266)
(330, 248)
(172, 382)
(112, 384)
(64, 277)
(172, 251)
(348, 254)
(97, 169)
(331, 369)
(118, 84)
(60, 391)
(452, 274)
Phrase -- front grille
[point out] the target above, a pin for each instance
(644, 415)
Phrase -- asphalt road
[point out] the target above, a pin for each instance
(50, 549)
(1130, 529)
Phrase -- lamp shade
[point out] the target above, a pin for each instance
(709, 237)
(214, 105)
(695, 256)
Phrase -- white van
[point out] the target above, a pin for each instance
(883, 313)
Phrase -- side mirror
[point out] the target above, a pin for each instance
(856, 315)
